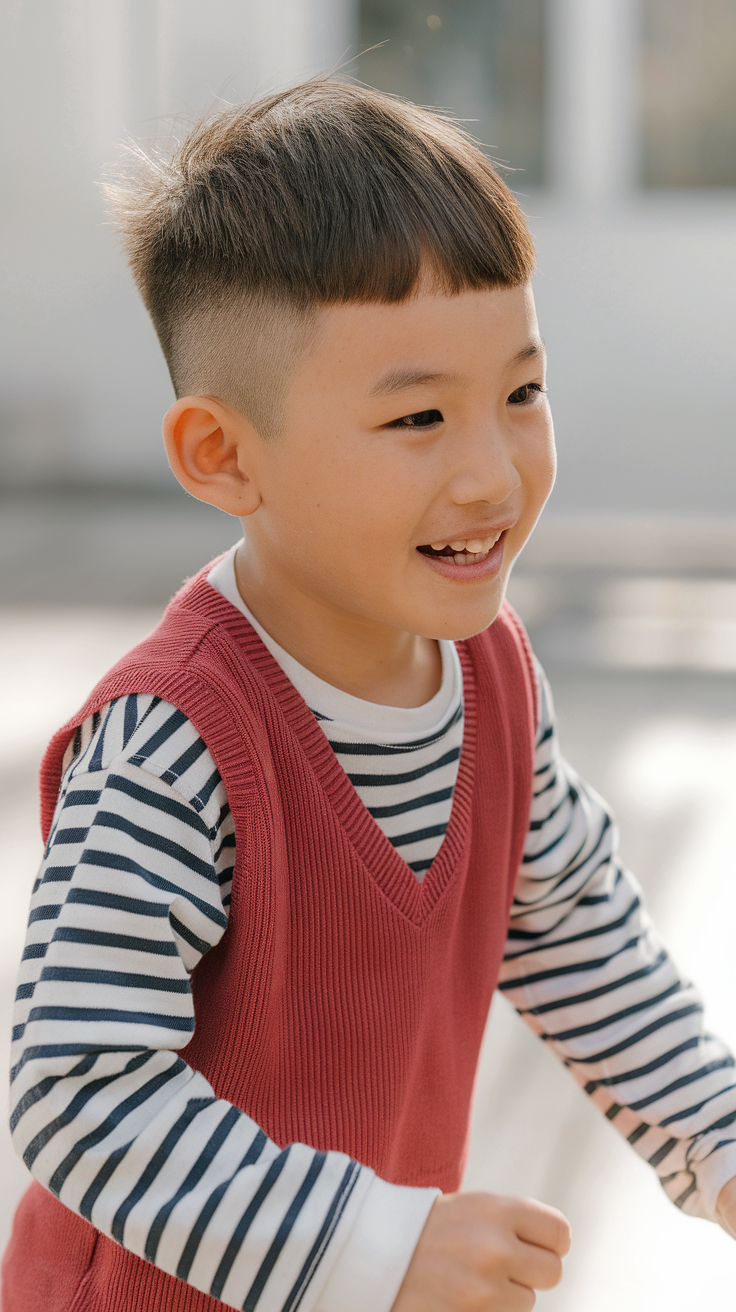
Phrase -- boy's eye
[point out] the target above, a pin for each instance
(421, 419)
(523, 395)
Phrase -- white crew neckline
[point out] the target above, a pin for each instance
(372, 720)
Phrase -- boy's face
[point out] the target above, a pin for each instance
(409, 430)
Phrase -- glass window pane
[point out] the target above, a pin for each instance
(483, 60)
(688, 93)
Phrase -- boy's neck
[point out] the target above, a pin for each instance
(376, 663)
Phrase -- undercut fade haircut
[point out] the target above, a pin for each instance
(323, 194)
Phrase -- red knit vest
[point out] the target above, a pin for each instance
(345, 1004)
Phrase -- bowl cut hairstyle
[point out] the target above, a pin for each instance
(323, 194)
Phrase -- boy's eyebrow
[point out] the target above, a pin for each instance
(534, 349)
(396, 380)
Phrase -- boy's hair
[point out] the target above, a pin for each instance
(323, 194)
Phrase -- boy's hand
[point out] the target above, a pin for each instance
(726, 1207)
(486, 1253)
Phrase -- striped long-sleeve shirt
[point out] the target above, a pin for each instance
(134, 889)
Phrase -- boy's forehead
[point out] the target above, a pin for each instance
(436, 322)
(428, 338)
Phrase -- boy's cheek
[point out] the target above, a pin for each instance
(539, 473)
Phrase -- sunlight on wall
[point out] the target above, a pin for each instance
(668, 623)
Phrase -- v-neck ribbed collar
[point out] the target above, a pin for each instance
(363, 720)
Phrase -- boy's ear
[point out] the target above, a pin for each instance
(210, 448)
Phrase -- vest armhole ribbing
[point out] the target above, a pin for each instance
(526, 647)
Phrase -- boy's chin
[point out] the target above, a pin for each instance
(456, 628)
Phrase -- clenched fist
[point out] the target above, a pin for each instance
(484, 1253)
(726, 1207)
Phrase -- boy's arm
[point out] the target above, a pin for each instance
(133, 890)
(586, 970)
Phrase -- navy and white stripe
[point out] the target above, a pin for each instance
(586, 970)
(406, 786)
(134, 888)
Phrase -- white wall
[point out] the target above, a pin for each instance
(82, 382)
(635, 292)
(636, 304)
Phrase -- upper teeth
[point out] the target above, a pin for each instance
(476, 546)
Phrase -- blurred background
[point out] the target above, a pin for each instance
(617, 122)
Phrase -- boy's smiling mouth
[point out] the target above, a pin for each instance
(464, 550)
(472, 557)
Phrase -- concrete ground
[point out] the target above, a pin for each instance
(84, 577)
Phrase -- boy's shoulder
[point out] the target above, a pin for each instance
(194, 669)
(141, 732)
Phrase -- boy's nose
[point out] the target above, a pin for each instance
(487, 471)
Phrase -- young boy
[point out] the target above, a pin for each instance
(299, 813)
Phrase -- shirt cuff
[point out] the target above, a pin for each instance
(372, 1264)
